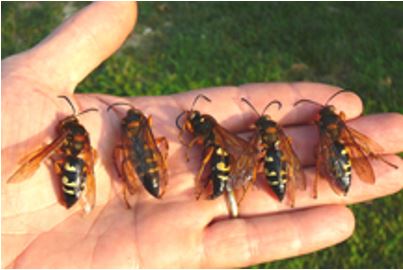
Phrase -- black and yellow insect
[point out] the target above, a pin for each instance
(281, 165)
(341, 149)
(142, 157)
(73, 158)
(231, 158)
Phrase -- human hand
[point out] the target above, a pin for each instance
(176, 231)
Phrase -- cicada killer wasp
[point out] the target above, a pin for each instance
(342, 148)
(142, 157)
(281, 166)
(73, 159)
(231, 158)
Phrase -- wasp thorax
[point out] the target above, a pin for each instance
(329, 121)
(267, 129)
(68, 124)
(133, 115)
(132, 121)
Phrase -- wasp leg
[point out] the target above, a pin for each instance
(58, 165)
(180, 135)
(291, 187)
(125, 197)
(342, 116)
(206, 159)
(117, 155)
(94, 155)
(190, 145)
(163, 146)
(150, 121)
(164, 150)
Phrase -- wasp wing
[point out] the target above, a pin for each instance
(324, 159)
(129, 174)
(159, 148)
(294, 163)
(243, 154)
(88, 198)
(296, 176)
(32, 161)
(368, 146)
(359, 147)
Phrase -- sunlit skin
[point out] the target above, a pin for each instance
(176, 231)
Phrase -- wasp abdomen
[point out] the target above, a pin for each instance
(340, 165)
(220, 171)
(276, 171)
(73, 179)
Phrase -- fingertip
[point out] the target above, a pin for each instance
(126, 13)
(350, 103)
(321, 227)
(384, 128)
(333, 214)
(80, 44)
(347, 101)
(278, 236)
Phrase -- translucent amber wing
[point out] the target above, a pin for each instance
(33, 160)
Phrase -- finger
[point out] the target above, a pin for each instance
(384, 129)
(260, 200)
(79, 45)
(227, 108)
(243, 242)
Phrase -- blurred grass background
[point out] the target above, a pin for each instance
(181, 46)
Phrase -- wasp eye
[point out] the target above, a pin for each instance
(202, 120)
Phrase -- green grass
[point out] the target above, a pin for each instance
(180, 46)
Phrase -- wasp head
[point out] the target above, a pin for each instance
(71, 125)
(198, 124)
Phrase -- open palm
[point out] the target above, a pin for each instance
(176, 231)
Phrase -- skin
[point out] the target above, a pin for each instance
(177, 231)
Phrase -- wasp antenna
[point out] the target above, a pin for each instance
(88, 110)
(250, 105)
(178, 118)
(307, 100)
(70, 103)
(334, 95)
(279, 104)
(118, 104)
(197, 98)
